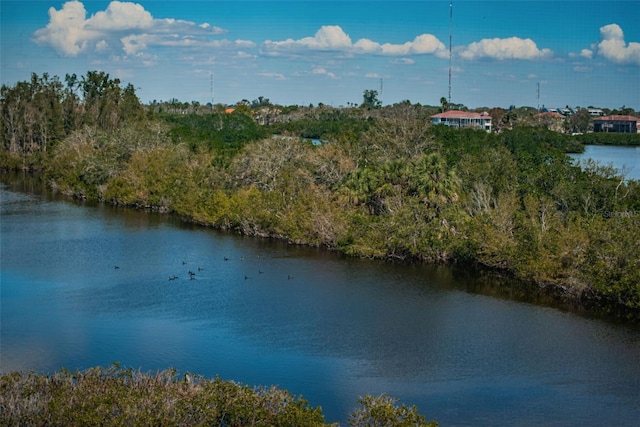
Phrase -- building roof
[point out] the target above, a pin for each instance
(457, 114)
(618, 118)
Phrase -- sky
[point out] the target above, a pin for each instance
(578, 53)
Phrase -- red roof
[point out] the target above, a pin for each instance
(457, 114)
(618, 118)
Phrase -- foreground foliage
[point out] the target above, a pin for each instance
(116, 396)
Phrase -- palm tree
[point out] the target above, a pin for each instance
(433, 181)
(362, 187)
(444, 103)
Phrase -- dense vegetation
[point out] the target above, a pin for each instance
(385, 183)
(123, 397)
(609, 138)
(40, 113)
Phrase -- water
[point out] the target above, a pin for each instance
(625, 159)
(312, 322)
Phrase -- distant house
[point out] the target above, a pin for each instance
(567, 111)
(595, 112)
(617, 123)
(551, 120)
(463, 119)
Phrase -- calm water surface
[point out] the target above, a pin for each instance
(319, 325)
(626, 159)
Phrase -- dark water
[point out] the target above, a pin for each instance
(319, 325)
(625, 159)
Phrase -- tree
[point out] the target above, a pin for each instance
(38, 114)
(580, 121)
(362, 187)
(31, 114)
(432, 181)
(129, 107)
(382, 411)
(106, 104)
(497, 113)
(370, 99)
(624, 111)
(261, 102)
(509, 119)
(444, 104)
(71, 104)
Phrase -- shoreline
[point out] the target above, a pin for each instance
(611, 139)
(578, 298)
(498, 281)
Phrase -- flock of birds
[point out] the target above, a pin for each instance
(192, 274)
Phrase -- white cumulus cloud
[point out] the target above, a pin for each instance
(323, 72)
(333, 38)
(501, 49)
(102, 46)
(120, 16)
(123, 25)
(586, 53)
(613, 46)
(328, 37)
(65, 31)
(427, 43)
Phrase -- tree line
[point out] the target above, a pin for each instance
(383, 183)
(39, 113)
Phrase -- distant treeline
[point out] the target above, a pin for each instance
(384, 183)
(602, 138)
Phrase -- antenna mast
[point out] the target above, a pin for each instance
(381, 88)
(538, 96)
(450, 37)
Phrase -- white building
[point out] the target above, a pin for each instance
(595, 112)
(463, 119)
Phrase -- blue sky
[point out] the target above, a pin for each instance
(581, 53)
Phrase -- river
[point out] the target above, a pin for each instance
(624, 158)
(85, 285)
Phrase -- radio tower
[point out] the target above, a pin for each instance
(450, 31)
